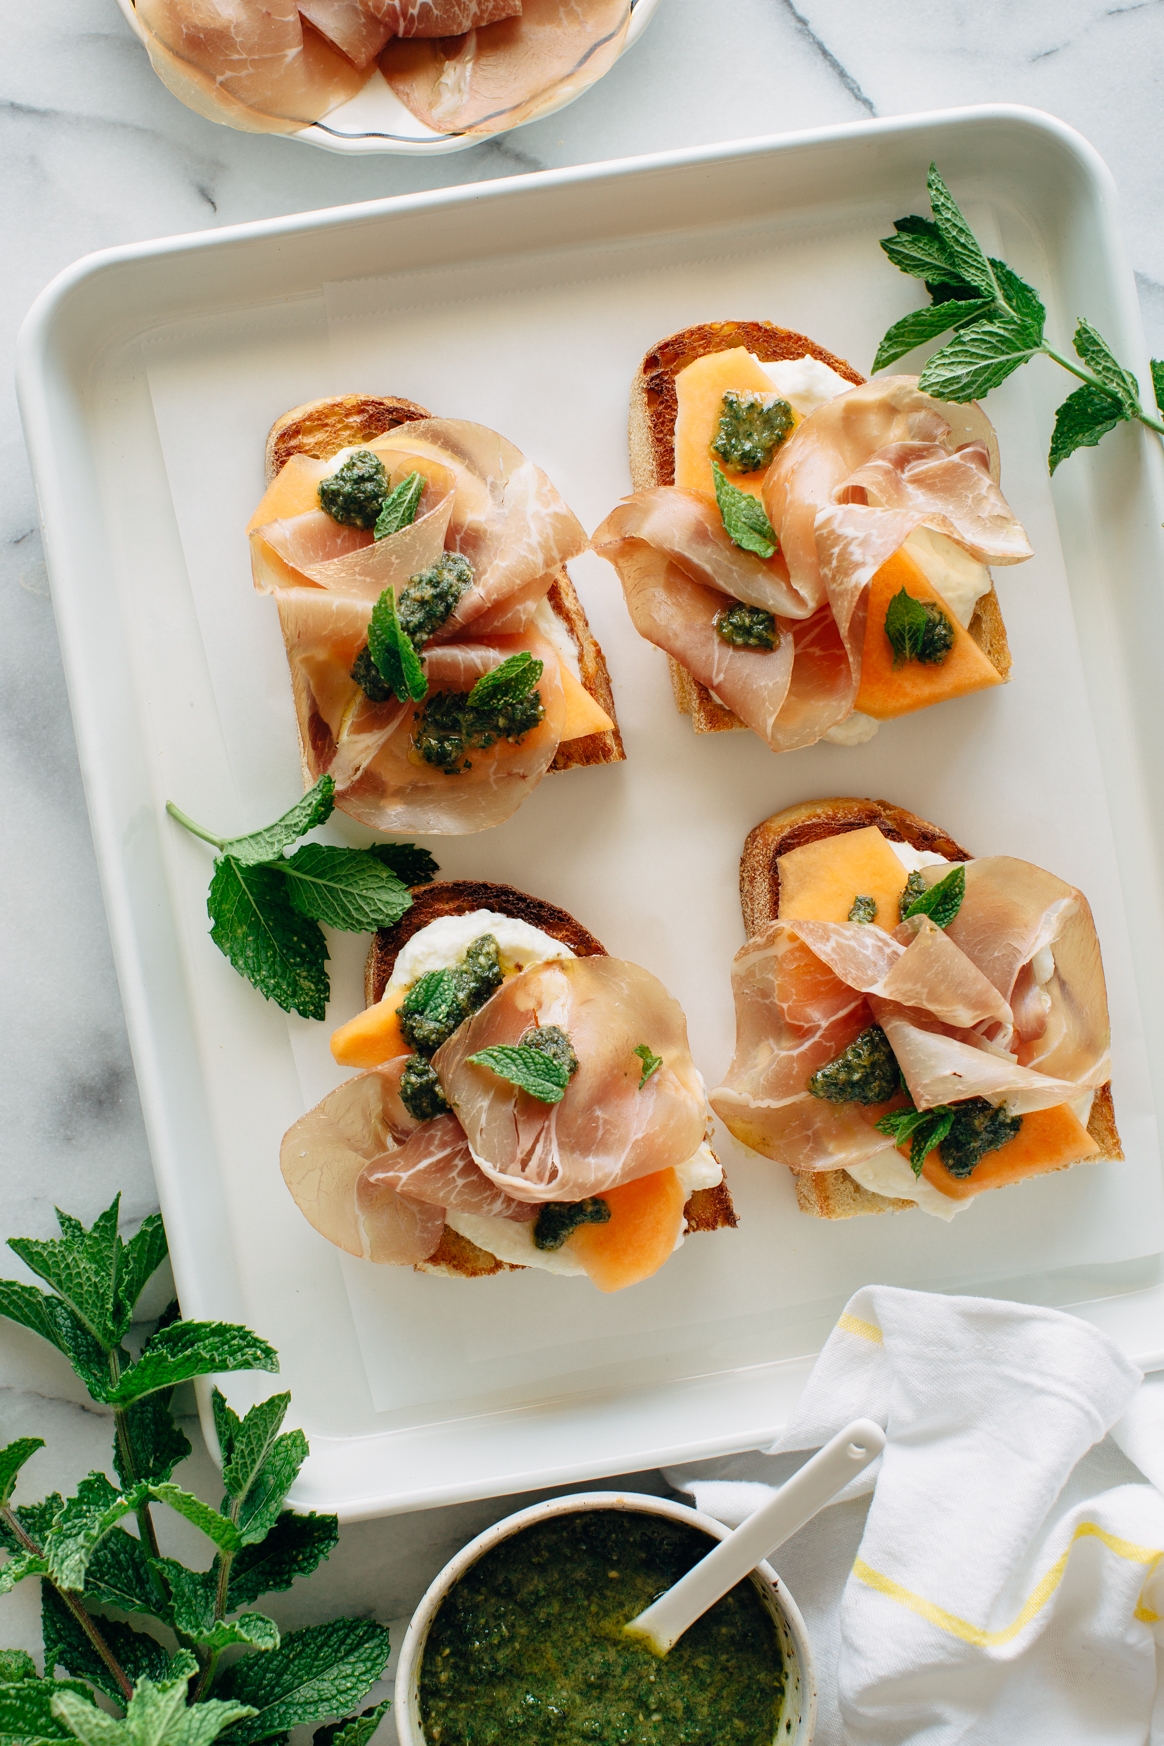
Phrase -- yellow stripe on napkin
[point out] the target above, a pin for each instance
(863, 1330)
(968, 1633)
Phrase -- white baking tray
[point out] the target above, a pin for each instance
(375, 123)
(148, 378)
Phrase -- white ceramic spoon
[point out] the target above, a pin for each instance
(663, 1623)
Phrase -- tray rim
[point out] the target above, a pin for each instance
(39, 365)
(428, 144)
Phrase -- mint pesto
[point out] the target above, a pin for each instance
(528, 1647)
(751, 428)
(747, 627)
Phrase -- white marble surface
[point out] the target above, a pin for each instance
(96, 152)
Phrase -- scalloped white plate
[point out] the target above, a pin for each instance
(376, 121)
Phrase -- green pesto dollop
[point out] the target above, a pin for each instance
(354, 493)
(450, 726)
(553, 1041)
(915, 887)
(747, 627)
(865, 1072)
(420, 1090)
(441, 1000)
(864, 909)
(918, 630)
(528, 1646)
(977, 1128)
(750, 430)
(431, 597)
(558, 1218)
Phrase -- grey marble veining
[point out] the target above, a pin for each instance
(96, 152)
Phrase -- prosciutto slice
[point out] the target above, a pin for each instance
(854, 480)
(509, 72)
(482, 498)
(360, 28)
(607, 1129)
(805, 989)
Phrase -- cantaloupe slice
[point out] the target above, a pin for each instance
(646, 1217)
(373, 1036)
(887, 691)
(293, 491)
(701, 388)
(583, 714)
(1049, 1139)
(819, 881)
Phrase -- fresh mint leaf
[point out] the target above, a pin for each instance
(66, 1645)
(82, 1268)
(54, 1321)
(977, 359)
(314, 809)
(506, 684)
(140, 1259)
(119, 1575)
(36, 1520)
(346, 888)
(15, 1665)
(1158, 382)
(1083, 418)
(15, 1569)
(216, 1527)
(157, 1715)
(189, 1349)
(942, 901)
(315, 1674)
(918, 630)
(247, 1442)
(743, 517)
(255, 925)
(400, 506)
(651, 1062)
(391, 649)
(356, 1732)
(921, 325)
(295, 1546)
(918, 249)
(193, 1594)
(263, 1503)
(156, 1441)
(1022, 300)
(82, 1524)
(961, 246)
(923, 1128)
(26, 1712)
(411, 865)
(528, 1068)
(1098, 355)
(12, 1459)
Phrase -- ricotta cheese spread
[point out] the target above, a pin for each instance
(805, 382)
(913, 860)
(890, 1174)
(445, 941)
(853, 731)
(960, 579)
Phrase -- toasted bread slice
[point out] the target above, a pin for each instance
(653, 412)
(833, 1194)
(707, 1209)
(321, 428)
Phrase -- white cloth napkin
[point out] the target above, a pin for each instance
(1004, 1592)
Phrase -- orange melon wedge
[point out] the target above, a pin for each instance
(819, 881)
(1049, 1139)
(887, 691)
(293, 491)
(646, 1217)
(373, 1036)
(700, 389)
(583, 714)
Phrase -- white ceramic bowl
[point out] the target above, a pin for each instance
(798, 1711)
(375, 121)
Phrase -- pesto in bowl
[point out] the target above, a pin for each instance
(528, 1646)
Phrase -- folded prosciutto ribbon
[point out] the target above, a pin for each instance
(459, 66)
(378, 1183)
(1007, 1004)
(481, 499)
(844, 492)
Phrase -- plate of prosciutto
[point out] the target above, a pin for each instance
(384, 76)
(478, 1092)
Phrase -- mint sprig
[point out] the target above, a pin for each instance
(998, 324)
(743, 517)
(399, 508)
(942, 901)
(265, 907)
(392, 650)
(507, 683)
(651, 1062)
(166, 1681)
(923, 1128)
(528, 1067)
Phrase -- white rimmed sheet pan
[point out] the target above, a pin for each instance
(149, 378)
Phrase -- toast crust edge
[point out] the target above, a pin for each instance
(834, 1194)
(654, 408)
